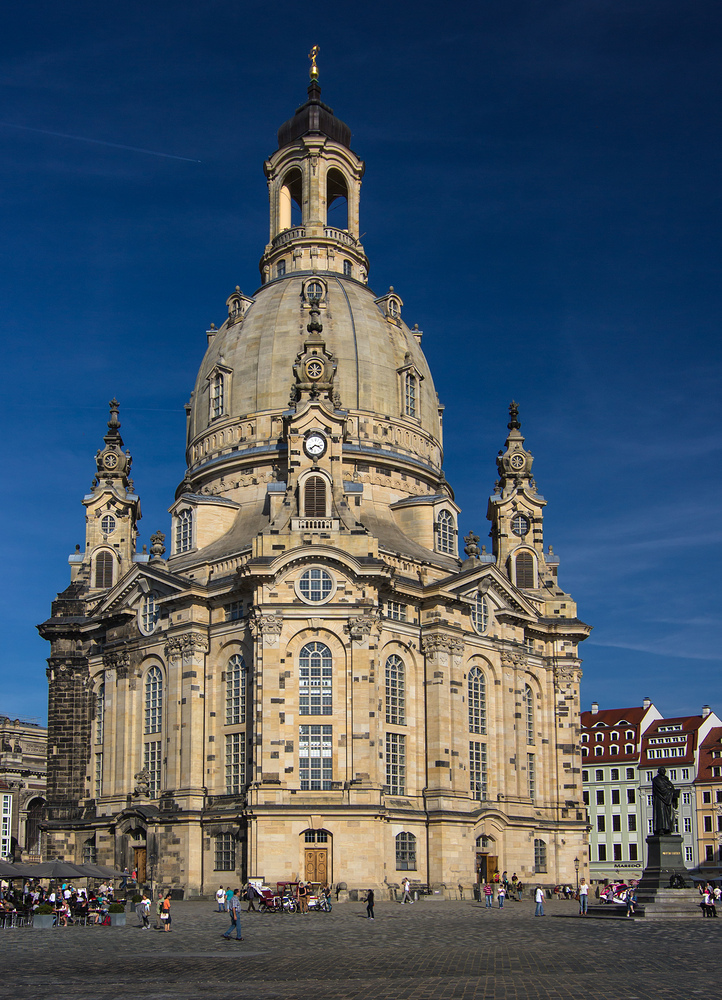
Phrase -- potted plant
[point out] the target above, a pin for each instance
(43, 916)
(117, 915)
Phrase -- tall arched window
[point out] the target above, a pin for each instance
(314, 497)
(480, 613)
(395, 691)
(445, 533)
(236, 691)
(99, 713)
(184, 531)
(405, 852)
(477, 701)
(540, 856)
(315, 677)
(153, 700)
(152, 748)
(217, 395)
(410, 394)
(104, 570)
(529, 711)
(525, 571)
(337, 200)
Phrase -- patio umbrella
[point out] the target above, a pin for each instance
(100, 871)
(9, 871)
(51, 869)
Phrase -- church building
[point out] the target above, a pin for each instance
(312, 677)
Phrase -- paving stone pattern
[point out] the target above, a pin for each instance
(435, 950)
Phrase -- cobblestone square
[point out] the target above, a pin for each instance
(439, 949)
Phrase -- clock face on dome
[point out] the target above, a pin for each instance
(110, 461)
(314, 445)
(516, 462)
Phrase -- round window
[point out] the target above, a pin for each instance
(315, 586)
(107, 524)
(520, 525)
(314, 291)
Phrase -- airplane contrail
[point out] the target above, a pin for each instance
(99, 142)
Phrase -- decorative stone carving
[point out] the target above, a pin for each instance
(142, 783)
(117, 661)
(513, 658)
(266, 627)
(471, 547)
(157, 548)
(565, 673)
(361, 626)
(437, 643)
(191, 642)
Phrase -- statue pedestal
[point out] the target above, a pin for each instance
(664, 859)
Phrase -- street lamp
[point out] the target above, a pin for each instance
(576, 869)
(153, 862)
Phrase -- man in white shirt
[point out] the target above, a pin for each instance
(539, 899)
(406, 886)
(583, 898)
(221, 899)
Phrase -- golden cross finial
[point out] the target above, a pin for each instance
(312, 56)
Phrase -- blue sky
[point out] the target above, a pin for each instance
(542, 189)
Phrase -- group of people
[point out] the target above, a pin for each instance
(710, 897)
(505, 889)
(69, 904)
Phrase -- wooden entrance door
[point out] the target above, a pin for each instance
(316, 864)
(140, 856)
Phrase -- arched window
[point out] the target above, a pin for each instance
(35, 815)
(153, 700)
(525, 571)
(152, 748)
(184, 531)
(99, 713)
(585, 737)
(529, 708)
(540, 856)
(337, 200)
(236, 691)
(406, 852)
(477, 701)
(291, 194)
(347, 268)
(281, 268)
(217, 395)
(314, 497)
(614, 749)
(315, 678)
(107, 524)
(599, 737)
(585, 751)
(599, 751)
(480, 613)
(395, 691)
(629, 747)
(410, 394)
(104, 570)
(149, 613)
(445, 533)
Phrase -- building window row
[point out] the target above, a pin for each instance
(315, 757)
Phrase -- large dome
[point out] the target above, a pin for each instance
(374, 349)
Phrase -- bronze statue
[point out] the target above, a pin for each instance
(665, 799)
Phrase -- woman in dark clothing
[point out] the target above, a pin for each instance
(370, 904)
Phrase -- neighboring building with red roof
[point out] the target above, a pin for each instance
(708, 788)
(611, 740)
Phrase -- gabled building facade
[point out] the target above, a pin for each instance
(708, 789)
(311, 679)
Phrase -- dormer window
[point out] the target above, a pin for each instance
(410, 390)
(217, 395)
(445, 533)
(184, 531)
(314, 291)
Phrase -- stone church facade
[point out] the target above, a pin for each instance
(309, 679)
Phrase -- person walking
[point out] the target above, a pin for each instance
(370, 904)
(221, 899)
(406, 886)
(235, 910)
(488, 894)
(250, 896)
(583, 898)
(165, 919)
(142, 910)
(501, 895)
(461, 890)
(539, 900)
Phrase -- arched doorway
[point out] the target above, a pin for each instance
(487, 860)
(316, 845)
(34, 816)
